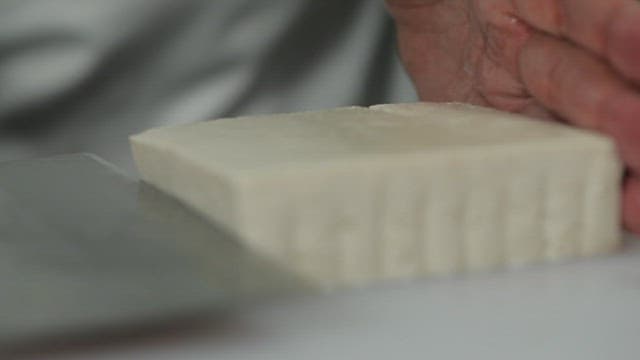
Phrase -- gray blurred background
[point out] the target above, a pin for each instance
(82, 75)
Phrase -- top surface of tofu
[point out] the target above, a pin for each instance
(258, 142)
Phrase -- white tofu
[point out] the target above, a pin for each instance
(349, 196)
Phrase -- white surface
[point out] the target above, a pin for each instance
(585, 310)
(249, 146)
(354, 195)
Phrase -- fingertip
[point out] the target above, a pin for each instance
(623, 124)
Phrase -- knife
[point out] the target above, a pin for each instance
(86, 249)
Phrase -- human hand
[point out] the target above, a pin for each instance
(570, 60)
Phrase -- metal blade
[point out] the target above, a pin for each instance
(84, 248)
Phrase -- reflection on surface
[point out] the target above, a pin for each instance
(224, 262)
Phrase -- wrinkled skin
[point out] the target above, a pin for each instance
(576, 61)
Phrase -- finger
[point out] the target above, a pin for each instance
(631, 205)
(610, 28)
(584, 91)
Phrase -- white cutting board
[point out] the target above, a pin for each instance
(583, 310)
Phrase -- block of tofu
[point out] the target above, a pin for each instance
(349, 196)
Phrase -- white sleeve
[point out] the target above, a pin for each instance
(82, 76)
